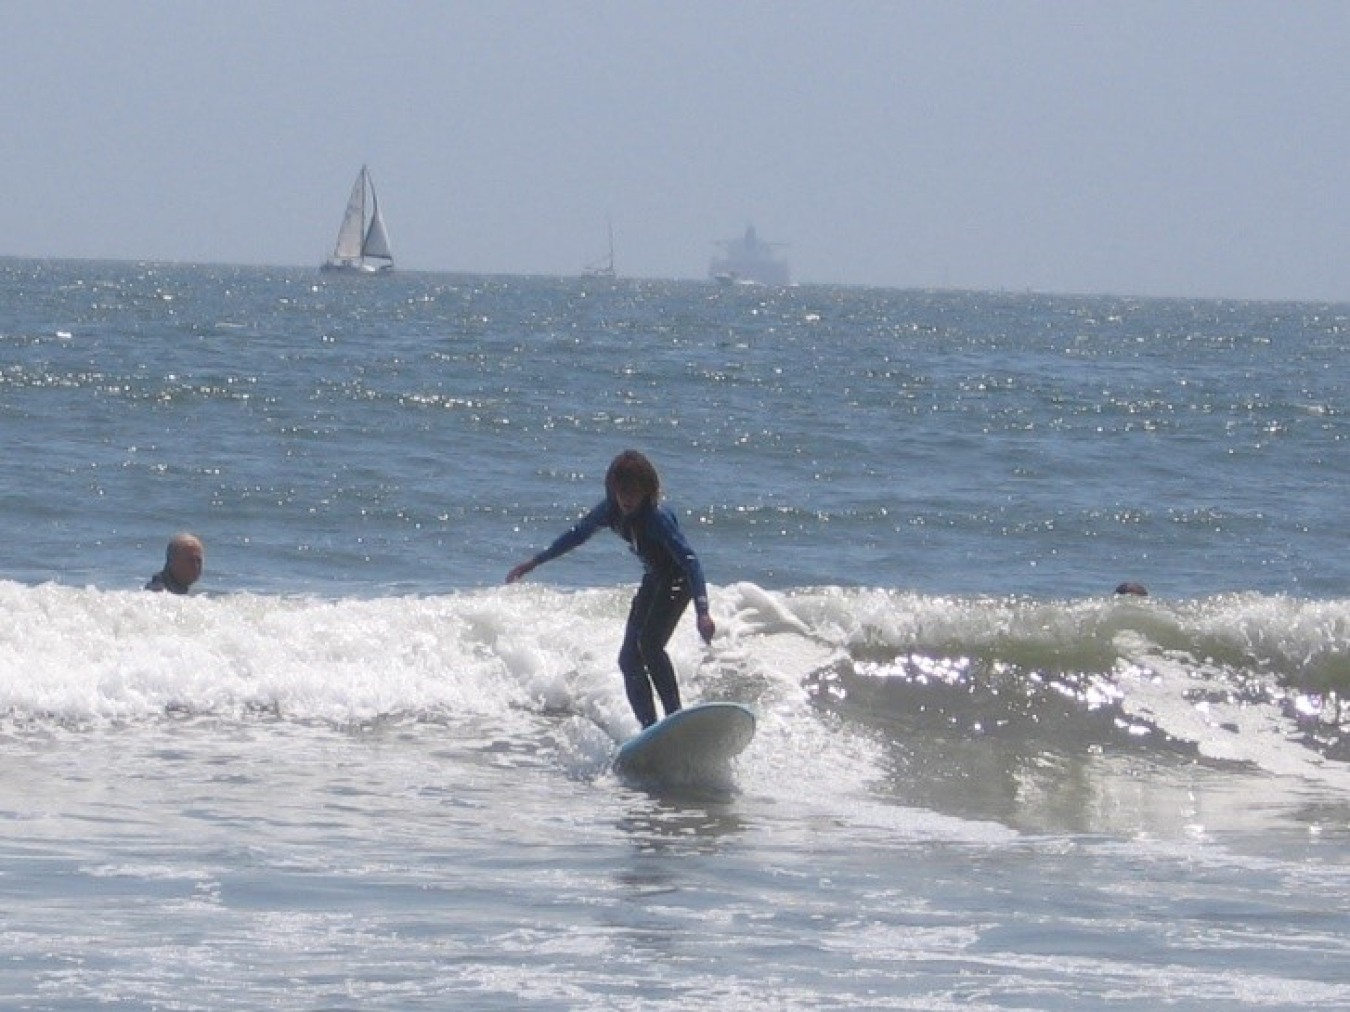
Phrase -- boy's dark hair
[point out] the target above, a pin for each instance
(632, 469)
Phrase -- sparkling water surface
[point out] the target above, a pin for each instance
(353, 770)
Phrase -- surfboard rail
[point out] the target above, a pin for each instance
(703, 737)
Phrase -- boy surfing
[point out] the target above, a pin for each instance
(672, 577)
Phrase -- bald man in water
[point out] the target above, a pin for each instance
(183, 563)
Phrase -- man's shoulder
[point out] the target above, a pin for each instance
(162, 582)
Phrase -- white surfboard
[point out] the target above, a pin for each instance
(700, 739)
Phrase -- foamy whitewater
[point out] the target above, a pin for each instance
(353, 770)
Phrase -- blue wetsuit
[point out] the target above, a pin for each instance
(672, 577)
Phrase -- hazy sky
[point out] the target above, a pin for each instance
(1153, 148)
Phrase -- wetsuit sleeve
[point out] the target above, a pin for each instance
(577, 534)
(668, 532)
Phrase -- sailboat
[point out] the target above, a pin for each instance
(603, 268)
(362, 246)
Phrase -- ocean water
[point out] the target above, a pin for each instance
(353, 770)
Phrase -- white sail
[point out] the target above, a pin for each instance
(359, 243)
(377, 239)
(348, 244)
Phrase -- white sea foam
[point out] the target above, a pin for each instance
(1211, 673)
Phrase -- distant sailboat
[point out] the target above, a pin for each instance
(362, 247)
(603, 268)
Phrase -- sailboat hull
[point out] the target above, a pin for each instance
(354, 267)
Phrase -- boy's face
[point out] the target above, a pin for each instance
(629, 497)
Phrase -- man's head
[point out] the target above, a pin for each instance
(185, 558)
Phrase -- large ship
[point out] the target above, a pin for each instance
(749, 261)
